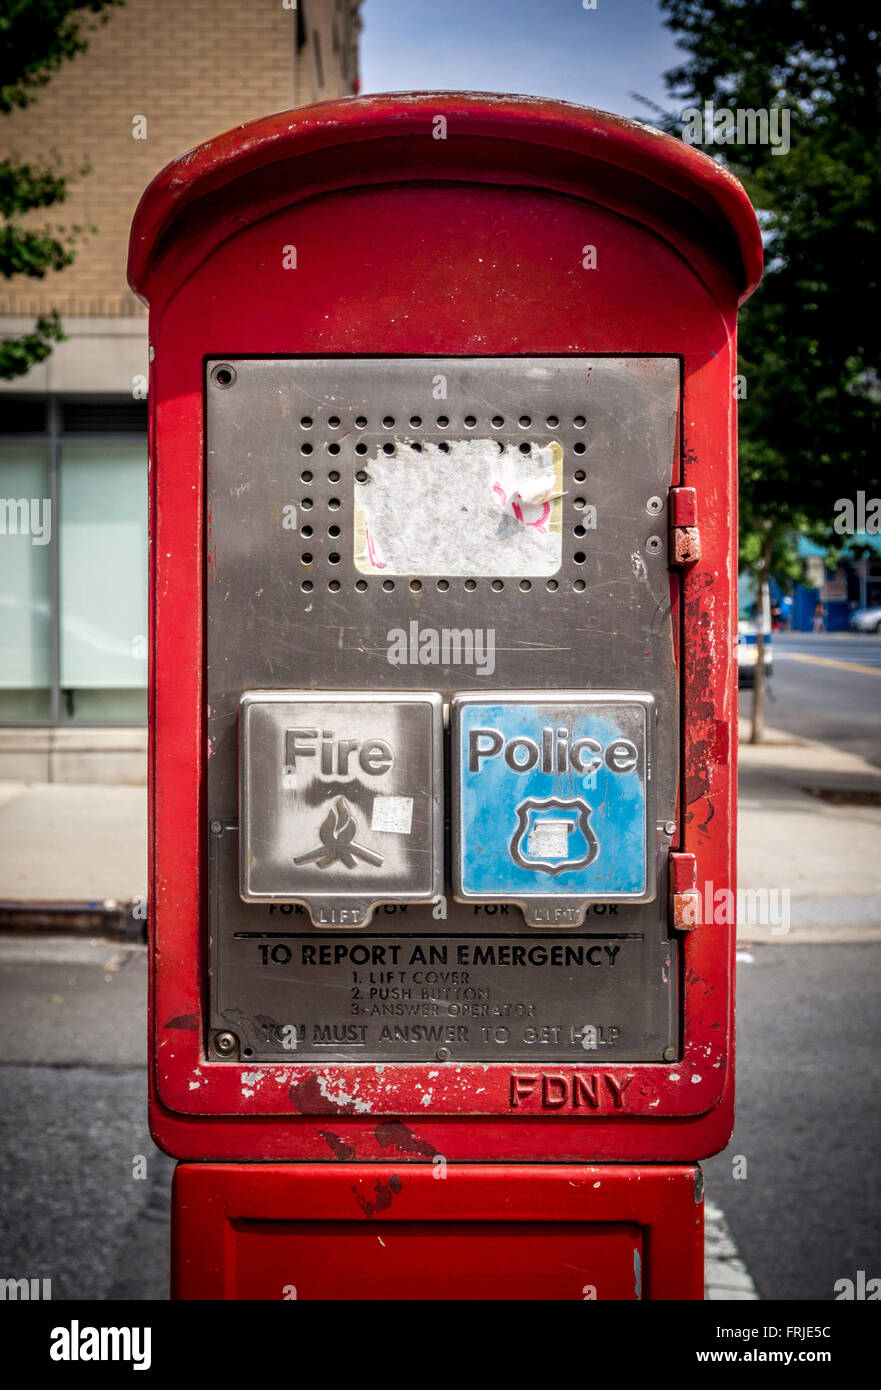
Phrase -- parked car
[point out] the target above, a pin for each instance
(747, 631)
(748, 653)
(865, 620)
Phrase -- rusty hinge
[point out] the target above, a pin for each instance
(685, 538)
(685, 900)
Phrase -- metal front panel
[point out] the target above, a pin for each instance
(317, 772)
(540, 486)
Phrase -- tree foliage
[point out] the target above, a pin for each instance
(36, 37)
(810, 336)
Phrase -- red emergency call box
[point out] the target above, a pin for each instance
(443, 663)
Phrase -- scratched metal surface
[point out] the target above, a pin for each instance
(294, 610)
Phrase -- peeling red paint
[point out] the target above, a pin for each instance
(385, 1195)
(395, 1132)
(309, 1099)
(338, 1147)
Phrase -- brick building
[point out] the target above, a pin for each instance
(159, 77)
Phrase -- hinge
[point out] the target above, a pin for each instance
(685, 539)
(685, 900)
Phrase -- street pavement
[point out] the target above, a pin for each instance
(805, 1207)
(84, 1194)
(827, 686)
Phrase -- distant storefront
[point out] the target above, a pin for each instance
(157, 78)
(851, 581)
(73, 583)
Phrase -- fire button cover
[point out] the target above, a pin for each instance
(341, 801)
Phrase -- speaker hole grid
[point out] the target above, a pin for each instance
(470, 422)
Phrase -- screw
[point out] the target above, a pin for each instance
(225, 1043)
(670, 827)
(223, 376)
(216, 827)
(669, 1054)
(443, 1054)
(654, 505)
(654, 544)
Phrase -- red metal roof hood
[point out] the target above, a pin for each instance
(252, 170)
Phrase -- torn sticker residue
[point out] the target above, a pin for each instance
(392, 813)
(549, 839)
(474, 510)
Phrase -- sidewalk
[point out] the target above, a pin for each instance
(809, 820)
(72, 843)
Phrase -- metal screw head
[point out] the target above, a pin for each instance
(669, 1054)
(443, 1054)
(216, 827)
(223, 375)
(670, 827)
(654, 505)
(654, 544)
(225, 1043)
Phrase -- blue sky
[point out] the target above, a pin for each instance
(551, 48)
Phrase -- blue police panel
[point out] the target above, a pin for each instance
(552, 796)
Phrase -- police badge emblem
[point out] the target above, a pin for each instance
(554, 844)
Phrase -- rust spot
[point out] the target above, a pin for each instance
(385, 1195)
(395, 1132)
(338, 1147)
(699, 669)
(187, 1022)
(686, 545)
(307, 1097)
(686, 910)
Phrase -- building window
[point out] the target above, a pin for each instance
(73, 541)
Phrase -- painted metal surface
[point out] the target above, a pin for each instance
(449, 589)
(467, 247)
(390, 474)
(437, 1232)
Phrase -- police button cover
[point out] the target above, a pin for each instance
(553, 800)
(340, 801)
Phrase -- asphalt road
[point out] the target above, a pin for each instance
(807, 1211)
(821, 689)
(84, 1195)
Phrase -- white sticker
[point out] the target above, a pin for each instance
(394, 813)
(549, 839)
(471, 506)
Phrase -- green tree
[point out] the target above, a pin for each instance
(36, 37)
(810, 336)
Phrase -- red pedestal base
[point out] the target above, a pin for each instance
(457, 1231)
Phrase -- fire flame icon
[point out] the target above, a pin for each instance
(337, 835)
